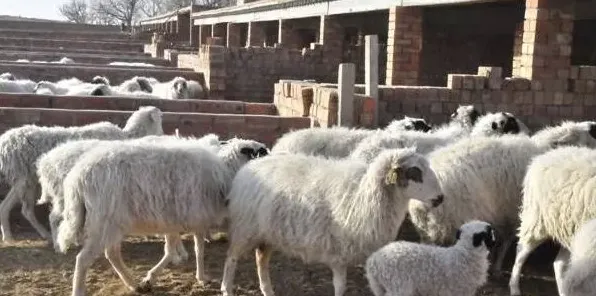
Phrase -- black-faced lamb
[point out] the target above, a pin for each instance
(335, 212)
(20, 147)
(411, 269)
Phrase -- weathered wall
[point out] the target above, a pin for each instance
(80, 57)
(55, 26)
(456, 39)
(73, 44)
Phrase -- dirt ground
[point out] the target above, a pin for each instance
(30, 267)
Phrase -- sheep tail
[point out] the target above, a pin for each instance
(74, 219)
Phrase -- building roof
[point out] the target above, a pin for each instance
(270, 10)
(171, 15)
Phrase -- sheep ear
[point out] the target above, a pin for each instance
(458, 234)
(223, 142)
(262, 152)
(592, 130)
(393, 175)
(511, 126)
(474, 116)
(249, 152)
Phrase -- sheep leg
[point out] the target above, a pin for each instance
(227, 282)
(523, 252)
(340, 274)
(14, 195)
(179, 253)
(85, 258)
(201, 275)
(55, 219)
(114, 255)
(263, 256)
(28, 211)
(169, 253)
(497, 267)
(560, 266)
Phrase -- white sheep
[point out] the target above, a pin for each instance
(137, 83)
(8, 76)
(175, 89)
(579, 278)
(17, 86)
(20, 147)
(410, 269)
(129, 64)
(98, 79)
(61, 87)
(482, 179)
(462, 121)
(499, 123)
(559, 196)
(195, 90)
(334, 142)
(330, 211)
(154, 188)
(409, 124)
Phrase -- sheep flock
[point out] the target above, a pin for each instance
(472, 188)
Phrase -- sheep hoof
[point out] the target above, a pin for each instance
(144, 287)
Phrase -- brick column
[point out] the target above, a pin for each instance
(547, 39)
(331, 37)
(256, 34)
(517, 49)
(233, 35)
(404, 45)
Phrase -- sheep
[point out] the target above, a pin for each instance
(64, 60)
(559, 196)
(409, 269)
(53, 166)
(499, 123)
(335, 142)
(484, 175)
(425, 143)
(20, 147)
(409, 124)
(196, 90)
(175, 89)
(154, 188)
(137, 83)
(579, 278)
(61, 87)
(98, 79)
(17, 86)
(330, 211)
(8, 76)
(131, 64)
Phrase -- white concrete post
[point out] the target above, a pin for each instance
(371, 72)
(345, 91)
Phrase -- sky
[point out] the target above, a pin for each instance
(46, 9)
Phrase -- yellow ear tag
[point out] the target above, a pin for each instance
(391, 178)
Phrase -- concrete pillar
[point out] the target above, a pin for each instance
(256, 34)
(345, 94)
(517, 49)
(547, 40)
(404, 45)
(371, 72)
(331, 37)
(233, 35)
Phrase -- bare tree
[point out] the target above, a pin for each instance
(75, 11)
(124, 11)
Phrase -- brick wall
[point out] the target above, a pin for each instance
(55, 72)
(319, 102)
(56, 26)
(115, 103)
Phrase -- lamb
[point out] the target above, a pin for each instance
(484, 175)
(17, 86)
(131, 64)
(559, 197)
(154, 188)
(335, 142)
(20, 147)
(8, 76)
(409, 124)
(175, 89)
(579, 278)
(499, 123)
(330, 211)
(409, 269)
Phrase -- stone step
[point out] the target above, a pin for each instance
(263, 128)
(72, 44)
(70, 35)
(116, 74)
(116, 103)
(84, 58)
(68, 49)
